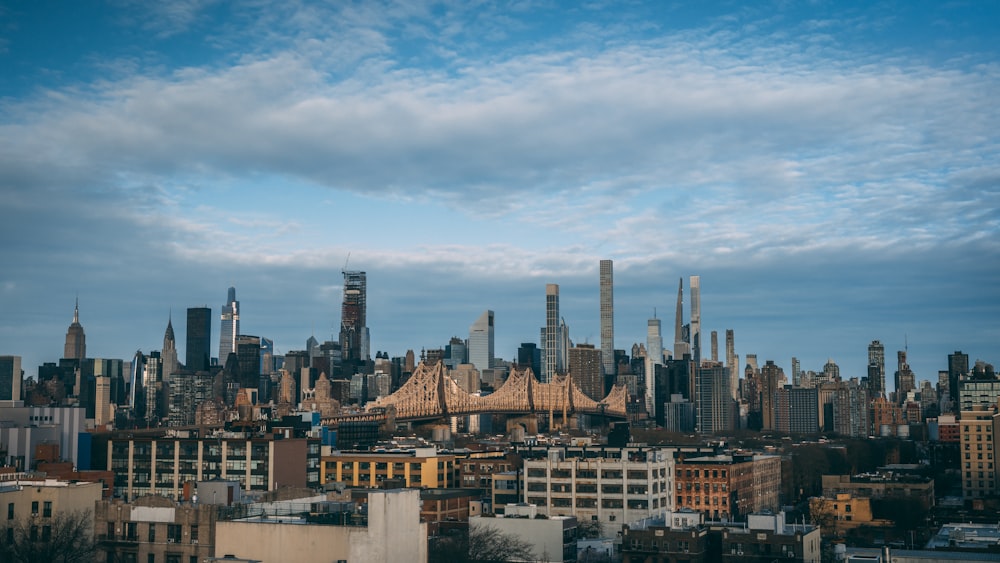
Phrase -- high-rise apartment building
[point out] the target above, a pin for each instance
(876, 369)
(796, 372)
(530, 355)
(715, 410)
(76, 340)
(481, 341)
(732, 362)
(230, 326)
(585, 366)
(715, 346)
(770, 376)
(978, 429)
(199, 338)
(680, 343)
(552, 345)
(654, 357)
(11, 377)
(696, 319)
(608, 318)
(353, 317)
(797, 410)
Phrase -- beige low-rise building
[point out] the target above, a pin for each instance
(391, 532)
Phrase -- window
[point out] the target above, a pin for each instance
(151, 558)
(152, 533)
(10, 511)
(46, 533)
(194, 534)
(173, 533)
(34, 508)
(47, 509)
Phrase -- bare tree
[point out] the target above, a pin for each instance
(489, 545)
(67, 537)
(479, 544)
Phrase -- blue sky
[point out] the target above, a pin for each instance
(829, 169)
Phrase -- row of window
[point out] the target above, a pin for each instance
(46, 509)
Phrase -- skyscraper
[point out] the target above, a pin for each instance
(585, 365)
(696, 320)
(481, 341)
(553, 334)
(680, 344)
(248, 358)
(905, 378)
(654, 357)
(876, 369)
(714, 409)
(958, 366)
(199, 338)
(353, 317)
(230, 326)
(169, 352)
(715, 346)
(732, 362)
(76, 340)
(608, 318)
(11, 377)
(770, 376)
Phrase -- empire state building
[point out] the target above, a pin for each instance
(76, 340)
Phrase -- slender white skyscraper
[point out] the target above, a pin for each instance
(607, 318)
(553, 336)
(654, 357)
(696, 320)
(481, 342)
(230, 326)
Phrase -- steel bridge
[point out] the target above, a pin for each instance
(430, 394)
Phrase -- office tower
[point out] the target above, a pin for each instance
(481, 341)
(905, 379)
(152, 385)
(199, 338)
(714, 406)
(11, 377)
(410, 362)
(171, 365)
(529, 355)
(553, 332)
(456, 352)
(732, 362)
(796, 372)
(958, 366)
(770, 375)
(654, 357)
(585, 366)
(608, 318)
(695, 337)
(715, 346)
(831, 371)
(76, 340)
(353, 317)
(680, 343)
(248, 358)
(102, 400)
(266, 355)
(230, 326)
(876, 369)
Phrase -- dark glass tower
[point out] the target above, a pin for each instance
(958, 365)
(199, 339)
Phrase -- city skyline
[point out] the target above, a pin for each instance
(830, 172)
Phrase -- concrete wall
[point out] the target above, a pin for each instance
(394, 531)
(274, 542)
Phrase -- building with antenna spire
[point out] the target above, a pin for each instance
(680, 343)
(230, 326)
(76, 340)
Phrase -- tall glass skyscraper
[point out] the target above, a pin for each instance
(353, 317)
(230, 326)
(607, 318)
(199, 338)
(876, 369)
(481, 342)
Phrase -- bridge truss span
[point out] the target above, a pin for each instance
(432, 393)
